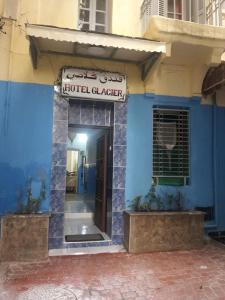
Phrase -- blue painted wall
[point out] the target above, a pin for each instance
(139, 146)
(219, 162)
(206, 169)
(26, 138)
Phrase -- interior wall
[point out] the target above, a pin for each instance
(77, 144)
(92, 146)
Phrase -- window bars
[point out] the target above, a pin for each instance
(170, 142)
(200, 11)
(215, 12)
(93, 15)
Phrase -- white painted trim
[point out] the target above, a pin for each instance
(97, 39)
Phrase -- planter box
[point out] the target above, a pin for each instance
(24, 237)
(163, 231)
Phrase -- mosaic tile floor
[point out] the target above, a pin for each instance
(191, 275)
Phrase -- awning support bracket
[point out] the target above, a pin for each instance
(34, 52)
(148, 64)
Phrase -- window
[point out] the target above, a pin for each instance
(215, 12)
(174, 9)
(189, 10)
(170, 145)
(93, 15)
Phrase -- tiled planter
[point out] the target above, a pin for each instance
(24, 237)
(163, 231)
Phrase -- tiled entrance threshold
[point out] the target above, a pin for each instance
(191, 275)
(79, 220)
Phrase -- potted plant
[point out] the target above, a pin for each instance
(156, 223)
(25, 233)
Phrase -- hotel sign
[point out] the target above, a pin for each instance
(90, 84)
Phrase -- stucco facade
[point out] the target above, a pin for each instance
(30, 117)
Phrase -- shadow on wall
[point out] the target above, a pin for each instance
(14, 183)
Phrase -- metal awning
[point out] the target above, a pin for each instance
(214, 80)
(61, 41)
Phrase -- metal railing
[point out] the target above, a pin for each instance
(210, 12)
(215, 12)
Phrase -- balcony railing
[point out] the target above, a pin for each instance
(199, 11)
(215, 12)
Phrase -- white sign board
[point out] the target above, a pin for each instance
(89, 84)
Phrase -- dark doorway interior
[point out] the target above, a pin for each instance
(101, 181)
(88, 160)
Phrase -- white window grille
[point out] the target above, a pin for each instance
(200, 12)
(170, 143)
(215, 12)
(175, 9)
(188, 10)
(93, 15)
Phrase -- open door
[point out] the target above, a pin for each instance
(101, 180)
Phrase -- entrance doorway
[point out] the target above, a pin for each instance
(87, 176)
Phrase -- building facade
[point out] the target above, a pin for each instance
(164, 51)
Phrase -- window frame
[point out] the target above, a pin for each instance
(174, 12)
(214, 13)
(92, 16)
(155, 175)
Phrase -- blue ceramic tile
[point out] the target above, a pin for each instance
(59, 153)
(119, 156)
(58, 178)
(120, 135)
(117, 239)
(56, 225)
(99, 114)
(109, 199)
(119, 174)
(87, 244)
(55, 243)
(109, 117)
(60, 109)
(87, 114)
(74, 113)
(60, 132)
(112, 116)
(120, 113)
(117, 223)
(57, 201)
(118, 200)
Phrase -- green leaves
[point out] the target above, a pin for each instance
(31, 205)
(153, 202)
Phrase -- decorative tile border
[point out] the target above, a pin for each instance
(119, 171)
(91, 113)
(94, 114)
(58, 178)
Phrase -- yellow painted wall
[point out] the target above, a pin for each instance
(180, 75)
(1, 7)
(14, 47)
(126, 17)
(58, 13)
(5, 46)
